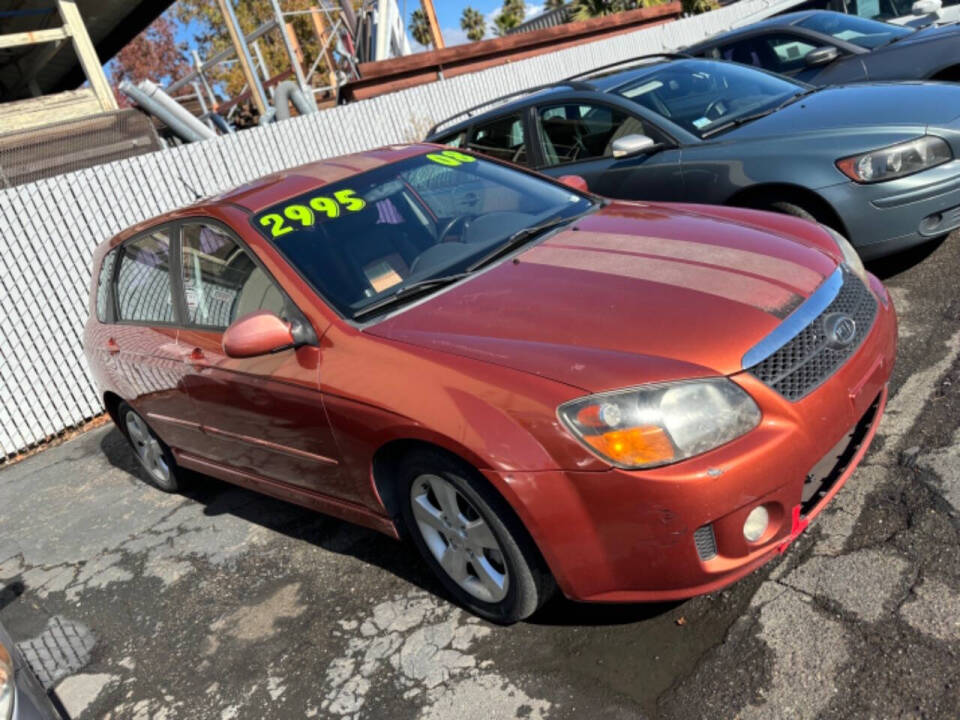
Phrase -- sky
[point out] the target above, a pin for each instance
(448, 15)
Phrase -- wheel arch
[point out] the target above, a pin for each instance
(951, 73)
(111, 402)
(758, 197)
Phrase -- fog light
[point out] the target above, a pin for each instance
(756, 523)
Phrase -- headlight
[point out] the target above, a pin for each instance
(7, 688)
(896, 160)
(850, 256)
(659, 424)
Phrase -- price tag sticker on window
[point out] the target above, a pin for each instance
(303, 215)
(451, 158)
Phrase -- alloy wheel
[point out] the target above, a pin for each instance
(148, 449)
(459, 538)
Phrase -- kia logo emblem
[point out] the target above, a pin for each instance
(840, 330)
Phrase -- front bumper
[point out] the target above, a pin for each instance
(887, 217)
(628, 536)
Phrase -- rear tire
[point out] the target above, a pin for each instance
(155, 457)
(471, 539)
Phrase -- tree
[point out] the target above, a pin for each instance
(474, 23)
(211, 36)
(152, 55)
(511, 14)
(696, 7)
(420, 27)
(554, 4)
(586, 9)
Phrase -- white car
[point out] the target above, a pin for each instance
(916, 13)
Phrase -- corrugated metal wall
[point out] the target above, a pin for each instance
(50, 228)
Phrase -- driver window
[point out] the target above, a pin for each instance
(782, 53)
(220, 281)
(581, 131)
(503, 138)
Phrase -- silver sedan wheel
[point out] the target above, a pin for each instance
(459, 538)
(148, 449)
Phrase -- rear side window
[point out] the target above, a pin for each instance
(220, 280)
(503, 138)
(103, 286)
(143, 280)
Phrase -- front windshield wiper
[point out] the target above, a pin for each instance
(517, 239)
(408, 291)
(737, 122)
(797, 96)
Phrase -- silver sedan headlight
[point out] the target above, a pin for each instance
(659, 424)
(897, 160)
(8, 689)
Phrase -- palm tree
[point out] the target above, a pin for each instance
(420, 27)
(696, 7)
(511, 15)
(586, 9)
(474, 23)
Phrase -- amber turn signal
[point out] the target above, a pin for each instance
(634, 446)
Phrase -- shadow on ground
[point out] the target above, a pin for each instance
(368, 546)
(891, 265)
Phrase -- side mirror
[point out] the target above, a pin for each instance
(632, 145)
(927, 7)
(259, 333)
(821, 56)
(574, 181)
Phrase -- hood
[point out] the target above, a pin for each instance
(633, 293)
(947, 33)
(874, 105)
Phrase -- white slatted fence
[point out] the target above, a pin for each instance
(50, 228)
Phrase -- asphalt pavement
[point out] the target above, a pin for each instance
(224, 604)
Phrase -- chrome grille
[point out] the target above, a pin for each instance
(705, 541)
(805, 361)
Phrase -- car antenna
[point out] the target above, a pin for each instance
(188, 186)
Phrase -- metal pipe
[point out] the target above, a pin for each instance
(182, 129)
(291, 53)
(243, 54)
(287, 92)
(221, 56)
(158, 95)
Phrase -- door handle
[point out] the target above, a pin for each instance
(112, 347)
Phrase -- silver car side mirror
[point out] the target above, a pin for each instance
(821, 56)
(632, 145)
(926, 7)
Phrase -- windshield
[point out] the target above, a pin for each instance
(370, 236)
(860, 31)
(699, 95)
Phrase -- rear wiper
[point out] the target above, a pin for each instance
(408, 291)
(517, 239)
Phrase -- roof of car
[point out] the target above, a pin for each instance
(270, 189)
(603, 81)
(775, 21)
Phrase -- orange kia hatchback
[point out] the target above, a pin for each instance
(539, 387)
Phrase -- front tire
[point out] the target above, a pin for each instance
(151, 451)
(471, 539)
